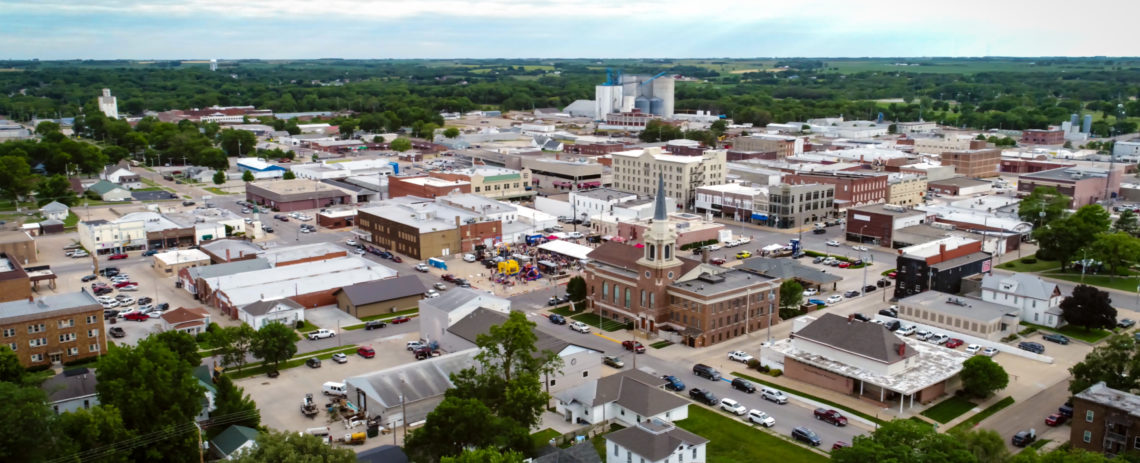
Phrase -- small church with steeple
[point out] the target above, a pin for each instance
(667, 296)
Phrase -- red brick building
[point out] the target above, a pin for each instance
(857, 189)
(1105, 420)
(1029, 166)
(424, 186)
(973, 163)
(1043, 137)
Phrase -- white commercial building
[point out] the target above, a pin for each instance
(637, 171)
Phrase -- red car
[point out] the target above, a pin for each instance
(892, 275)
(717, 261)
(397, 259)
(953, 343)
(125, 283)
(117, 257)
(634, 346)
(447, 277)
(366, 352)
(138, 317)
(1055, 419)
(844, 264)
(401, 319)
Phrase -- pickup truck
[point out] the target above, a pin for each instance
(321, 334)
(830, 416)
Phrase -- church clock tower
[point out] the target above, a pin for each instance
(660, 240)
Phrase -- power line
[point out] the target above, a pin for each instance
(127, 445)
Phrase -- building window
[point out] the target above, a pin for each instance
(616, 450)
(627, 298)
(9, 332)
(92, 333)
(72, 351)
(1089, 416)
(1087, 437)
(40, 358)
(36, 342)
(552, 382)
(67, 337)
(605, 290)
(91, 319)
(586, 374)
(93, 348)
(35, 328)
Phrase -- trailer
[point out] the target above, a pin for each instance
(308, 407)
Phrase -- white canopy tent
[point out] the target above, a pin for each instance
(566, 248)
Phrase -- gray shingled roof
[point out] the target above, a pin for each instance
(609, 388)
(54, 206)
(263, 307)
(859, 338)
(1021, 284)
(481, 320)
(788, 269)
(232, 438)
(383, 290)
(654, 440)
(70, 384)
(580, 453)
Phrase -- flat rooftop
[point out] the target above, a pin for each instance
(961, 182)
(1068, 174)
(51, 305)
(659, 155)
(433, 182)
(304, 251)
(604, 194)
(932, 248)
(724, 281)
(887, 209)
(959, 306)
(6, 265)
(295, 187)
(474, 202)
(735, 188)
(181, 255)
(427, 217)
(1120, 400)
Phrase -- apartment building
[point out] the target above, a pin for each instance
(637, 170)
(939, 145)
(1105, 420)
(783, 146)
(906, 189)
(55, 329)
(1042, 137)
(974, 163)
(796, 205)
(851, 188)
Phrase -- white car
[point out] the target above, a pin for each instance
(859, 248)
(421, 267)
(469, 258)
(731, 244)
(989, 351)
(906, 330)
(923, 335)
(129, 288)
(713, 247)
(431, 294)
(413, 345)
(103, 299)
(973, 349)
(832, 243)
(580, 327)
(744, 241)
(732, 406)
(126, 301)
(359, 251)
(810, 292)
(739, 356)
(110, 305)
(574, 235)
(834, 299)
(350, 242)
(321, 334)
(126, 311)
(761, 418)
(938, 339)
(340, 358)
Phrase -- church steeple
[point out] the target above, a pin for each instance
(660, 239)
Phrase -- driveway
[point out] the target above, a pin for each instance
(330, 317)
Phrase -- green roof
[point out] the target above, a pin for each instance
(102, 187)
(232, 438)
(499, 178)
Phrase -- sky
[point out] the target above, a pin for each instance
(280, 29)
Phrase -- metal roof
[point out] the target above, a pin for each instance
(229, 268)
(369, 292)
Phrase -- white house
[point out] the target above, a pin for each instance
(629, 397)
(655, 441)
(189, 321)
(123, 177)
(1039, 300)
(261, 313)
(54, 210)
(71, 390)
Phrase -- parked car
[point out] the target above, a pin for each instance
(1057, 338)
(119, 256)
(339, 357)
(1066, 409)
(374, 324)
(810, 292)
(818, 301)
(1034, 347)
(760, 418)
(832, 243)
(989, 351)
(633, 346)
(953, 343)
(313, 362)
(860, 248)
(421, 267)
(830, 416)
(613, 361)
(739, 356)
(557, 319)
(889, 313)
(839, 444)
(413, 345)
(733, 407)
(116, 332)
(939, 339)
(843, 264)
(110, 313)
(366, 352)
(1125, 323)
(906, 330)
(973, 349)
(806, 435)
(469, 258)
(580, 327)
(706, 372)
(1024, 438)
(87, 278)
(717, 261)
(834, 299)
(773, 395)
(138, 317)
(851, 293)
(401, 319)
(702, 396)
(1055, 419)
(431, 294)
(922, 335)
(743, 255)
(744, 385)
(869, 288)
(145, 300)
(860, 317)
(321, 334)
(123, 283)
(673, 383)
(149, 252)
(397, 259)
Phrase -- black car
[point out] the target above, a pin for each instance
(186, 203)
(702, 396)
(374, 325)
(1034, 347)
(743, 385)
(819, 231)
(803, 434)
(861, 317)
(883, 282)
(116, 332)
(102, 290)
(1066, 409)
(1125, 323)
(267, 229)
(893, 325)
(109, 271)
(1024, 438)
(87, 278)
(851, 293)
(145, 300)
(313, 362)
(557, 319)
(462, 283)
(162, 307)
(889, 313)
(1057, 338)
(110, 313)
(869, 288)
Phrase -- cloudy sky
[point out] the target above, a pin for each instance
(231, 29)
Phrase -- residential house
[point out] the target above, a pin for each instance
(440, 313)
(55, 210)
(108, 191)
(122, 176)
(189, 321)
(1039, 300)
(628, 398)
(71, 390)
(655, 441)
(261, 313)
(233, 441)
(372, 298)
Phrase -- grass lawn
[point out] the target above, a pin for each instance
(1037, 445)
(1020, 265)
(216, 190)
(71, 221)
(564, 311)
(989, 411)
(542, 438)
(592, 320)
(386, 316)
(1075, 332)
(1122, 283)
(307, 327)
(259, 369)
(149, 182)
(660, 344)
(887, 272)
(730, 440)
(949, 409)
(812, 397)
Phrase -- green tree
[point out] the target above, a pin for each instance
(981, 376)
(232, 401)
(96, 429)
(1089, 307)
(15, 176)
(25, 422)
(55, 188)
(154, 390)
(292, 447)
(219, 177)
(1043, 199)
(451, 132)
(288, 175)
(377, 139)
(456, 424)
(235, 343)
(1092, 219)
(986, 445)
(1128, 222)
(1116, 362)
(904, 441)
(1117, 250)
(275, 343)
(576, 288)
(10, 369)
(485, 455)
(49, 130)
(401, 145)
(182, 344)
(791, 294)
(719, 127)
(238, 142)
(247, 176)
